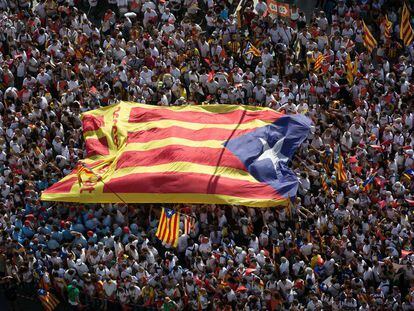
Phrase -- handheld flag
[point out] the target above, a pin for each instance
(318, 63)
(408, 174)
(289, 207)
(210, 154)
(251, 49)
(339, 166)
(367, 184)
(48, 300)
(189, 224)
(327, 160)
(369, 41)
(349, 70)
(168, 227)
(406, 30)
(324, 183)
(387, 28)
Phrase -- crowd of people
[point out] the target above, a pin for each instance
(344, 243)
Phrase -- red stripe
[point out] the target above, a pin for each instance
(170, 236)
(139, 114)
(96, 146)
(176, 182)
(92, 123)
(179, 153)
(181, 132)
(170, 229)
(62, 186)
(166, 235)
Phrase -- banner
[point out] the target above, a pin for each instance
(221, 154)
(278, 8)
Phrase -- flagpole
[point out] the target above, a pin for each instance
(99, 178)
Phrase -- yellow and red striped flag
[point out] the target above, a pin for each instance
(387, 28)
(324, 183)
(289, 208)
(189, 223)
(318, 63)
(349, 70)
(251, 49)
(209, 154)
(406, 31)
(339, 166)
(48, 300)
(369, 41)
(169, 227)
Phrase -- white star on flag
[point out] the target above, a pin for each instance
(273, 154)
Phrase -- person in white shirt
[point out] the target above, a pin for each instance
(149, 16)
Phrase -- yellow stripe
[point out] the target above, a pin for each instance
(406, 32)
(186, 167)
(159, 227)
(213, 109)
(190, 198)
(368, 35)
(133, 127)
(153, 144)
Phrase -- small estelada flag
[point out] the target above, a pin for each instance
(48, 300)
(168, 227)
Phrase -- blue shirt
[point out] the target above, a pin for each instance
(125, 238)
(134, 229)
(107, 221)
(224, 14)
(82, 241)
(91, 224)
(53, 244)
(67, 236)
(78, 227)
(27, 232)
(93, 239)
(118, 231)
(56, 235)
(18, 223)
(28, 208)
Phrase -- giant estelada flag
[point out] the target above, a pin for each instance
(222, 154)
